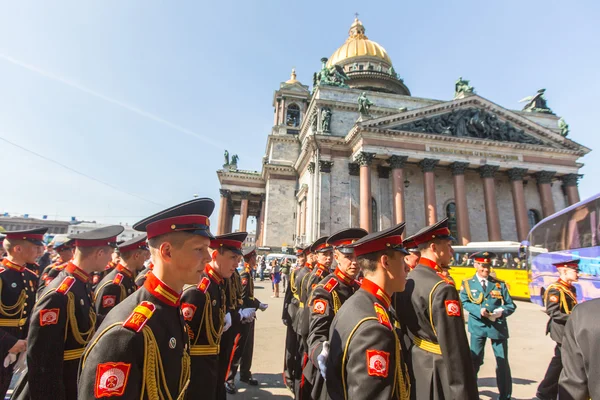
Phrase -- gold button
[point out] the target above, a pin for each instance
(25, 304)
(173, 226)
(24, 312)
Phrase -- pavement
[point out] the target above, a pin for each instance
(530, 352)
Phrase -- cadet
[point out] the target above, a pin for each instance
(242, 357)
(580, 349)
(17, 297)
(488, 303)
(560, 298)
(141, 276)
(325, 301)
(119, 283)
(141, 350)
(63, 320)
(365, 357)
(412, 259)
(112, 264)
(431, 316)
(65, 248)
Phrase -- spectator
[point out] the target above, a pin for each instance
(285, 273)
(261, 269)
(275, 277)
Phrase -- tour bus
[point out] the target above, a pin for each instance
(571, 233)
(507, 267)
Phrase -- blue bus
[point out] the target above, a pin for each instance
(571, 233)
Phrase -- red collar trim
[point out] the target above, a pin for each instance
(376, 291)
(160, 290)
(77, 272)
(110, 265)
(565, 283)
(9, 264)
(214, 275)
(345, 278)
(310, 266)
(429, 263)
(322, 267)
(124, 270)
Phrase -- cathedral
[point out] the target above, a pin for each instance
(359, 150)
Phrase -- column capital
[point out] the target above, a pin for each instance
(384, 172)
(325, 166)
(570, 179)
(488, 171)
(544, 177)
(516, 174)
(364, 158)
(353, 169)
(458, 168)
(428, 164)
(224, 192)
(244, 195)
(397, 162)
(311, 167)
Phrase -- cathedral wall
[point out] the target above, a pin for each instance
(306, 179)
(385, 202)
(558, 196)
(444, 190)
(506, 209)
(285, 151)
(342, 121)
(415, 202)
(532, 196)
(341, 195)
(476, 206)
(280, 223)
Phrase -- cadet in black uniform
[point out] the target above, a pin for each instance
(141, 350)
(325, 301)
(141, 276)
(119, 283)
(17, 297)
(580, 349)
(205, 310)
(560, 298)
(365, 358)
(63, 321)
(64, 247)
(431, 315)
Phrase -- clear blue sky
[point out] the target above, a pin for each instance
(146, 95)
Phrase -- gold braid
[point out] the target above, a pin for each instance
(401, 373)
(72, 321)
(479, 299)
(17, 307)
(336, 302)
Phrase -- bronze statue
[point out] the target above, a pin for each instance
(462, 87)
(326, 120)
(364, 104)
(234, 160)
(226, 159)
(330, 76)
(536, 103)
(564, 127)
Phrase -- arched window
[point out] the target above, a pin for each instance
(534, 217)
(451, 215)
(293, 115)
(374, 220)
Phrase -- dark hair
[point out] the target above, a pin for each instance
(368, 262)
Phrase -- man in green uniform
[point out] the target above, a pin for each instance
(488, 303)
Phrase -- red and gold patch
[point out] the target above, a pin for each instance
(140, 315)
(2, 269)
(244, 281)
(553, 298)
(204, 284)
(118, 279)
(66, 285)
(331, 284)
(382, 315)
(49, 316)
(188, 310)
(95, 279)
(319, 306)
(378, 363)
(109, 301)
(111, 379)
(452, 308)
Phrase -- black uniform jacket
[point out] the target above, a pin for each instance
(141, 276)
(141, 349)
(17, 298)
(248, 300)
(560, 298)
(365, 358)
(49, 273)
(290, 302)
(309, 282)
(115, 287)
(431, 315)
(299, 277)
(580, 349)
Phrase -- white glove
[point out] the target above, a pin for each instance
(227, 324)
(248, 315)
(263, 306)
(10, 358)
(496, 314)
(322, 359)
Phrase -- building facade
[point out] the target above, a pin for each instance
(361, 150)
(24, 223)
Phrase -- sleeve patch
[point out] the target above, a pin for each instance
(188, 310)
(378, 363)
(118, 279)
(109, 301)
(49, 316)
(111, 379)
(244, 281)
(553, 298)
(66, 285)
(382, 316)
(452, 308)
(140, 315)
(331, 284)
(204, 284)
(319, 306)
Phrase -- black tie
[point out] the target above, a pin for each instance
(483, 285)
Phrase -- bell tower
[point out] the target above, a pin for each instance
(290, 103)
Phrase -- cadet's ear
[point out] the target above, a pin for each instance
(384, 261)
(165, 251)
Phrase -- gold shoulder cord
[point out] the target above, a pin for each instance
(293, 282)
(479, 299)
(123, 293)
(72, 321)
(336, 301)
(563, 297)
(17, 308)
(431, 306)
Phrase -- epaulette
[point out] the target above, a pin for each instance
(382, 316)
(319, 273)
(118, 279)
(2, 269)
(140, 316)
(445, 279)
(204, 284)
(66, 285)
(331, 284)
(33, 272)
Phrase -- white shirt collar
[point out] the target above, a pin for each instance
(481, 279)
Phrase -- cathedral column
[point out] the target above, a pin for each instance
(230, 215)
(277, 104)
(544, 180)
(516, 182)
(427, 166)
(492, 217)
(260, 223)
(282, 114)
(305, 210)
(366, 211)
(223, 211)
(325, 197)
(397, 164)
(460, 199)
(570, 182)
(244, 211)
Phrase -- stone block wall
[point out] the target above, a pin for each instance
(280, 224)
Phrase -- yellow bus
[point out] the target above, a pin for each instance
(507, 267)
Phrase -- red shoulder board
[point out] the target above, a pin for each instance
(382, 315)
(66, 285)
(319, 273)
(331, 284)
(2, 269)
(33, 272)
(204, 284)
(118, 279)
(445, 279)
(140, 315)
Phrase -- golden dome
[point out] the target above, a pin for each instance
(358, 45)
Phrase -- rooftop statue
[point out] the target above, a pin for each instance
(462, 87)
(226, 155)
(536, 103)
(330, 76)
(234, 161)
(364, 104)
(564, 127)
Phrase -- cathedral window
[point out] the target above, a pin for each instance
(451, 215)
(293, 115)
(360, 67)
(534, 217)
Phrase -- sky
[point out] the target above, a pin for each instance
(113, 110)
